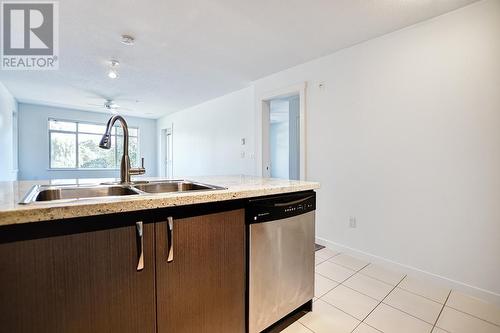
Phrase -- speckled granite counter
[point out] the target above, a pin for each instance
(238, 187)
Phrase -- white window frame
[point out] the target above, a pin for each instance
(76, 133)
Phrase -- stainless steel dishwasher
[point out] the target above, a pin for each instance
(280, 257)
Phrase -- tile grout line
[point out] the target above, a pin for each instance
(379, 280)
(347, 313)
(417, 294)
(344, 266)
(362, 321)
(307, 328)
(382, 301)
(324, 260)
(440, 312)
(474, 316)
(346, 286)
(338, 283)
(354, 273)
(389, 305)
(330, 257)
(359, 292)
(414, 293)
(326, 277)
(397, 286)
(409, 314)
(376, 329)
(342, 283)
(319, 297)
(334, 306)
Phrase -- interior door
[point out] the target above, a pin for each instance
(281, 137)
(85, 281)
(168, 152)
(200, 273)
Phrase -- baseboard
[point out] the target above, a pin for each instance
(486, 295)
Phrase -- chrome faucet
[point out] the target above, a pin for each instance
(125, 169)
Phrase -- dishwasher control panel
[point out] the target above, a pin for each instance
(280, 206)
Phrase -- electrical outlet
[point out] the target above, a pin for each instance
(352, 222)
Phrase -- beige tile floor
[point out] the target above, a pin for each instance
(355, 296)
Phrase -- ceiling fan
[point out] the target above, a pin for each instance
(111, 106)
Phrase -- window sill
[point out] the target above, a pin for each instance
(80, 169)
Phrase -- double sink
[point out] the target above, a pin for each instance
(43, 193)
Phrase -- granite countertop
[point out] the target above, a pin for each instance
(238, 187)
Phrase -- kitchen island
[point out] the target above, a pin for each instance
(169, 262)
(236, 187)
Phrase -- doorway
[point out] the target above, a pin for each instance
(295, 97)
(167, 152)
(284, 137)
(281, 133)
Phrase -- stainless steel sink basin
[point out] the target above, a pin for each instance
(174, 186)
(51, 193)
(44, 193)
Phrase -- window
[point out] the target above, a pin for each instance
(75, 145)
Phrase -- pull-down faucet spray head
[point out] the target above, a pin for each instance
(105, 141)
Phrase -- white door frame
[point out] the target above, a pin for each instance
(263, 156)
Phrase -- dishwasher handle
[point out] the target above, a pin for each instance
(289, 203)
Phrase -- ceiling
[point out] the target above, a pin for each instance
(190, 51)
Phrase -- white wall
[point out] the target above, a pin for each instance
(8, 155)
(34, 142)
(207, 137)
(404, 135)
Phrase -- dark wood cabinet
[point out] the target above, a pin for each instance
(202, 288)
(81, 275)
(79, 282)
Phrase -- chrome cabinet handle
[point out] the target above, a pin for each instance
(170, 239)
(140, 245)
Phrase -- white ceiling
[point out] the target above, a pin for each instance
(190, 51)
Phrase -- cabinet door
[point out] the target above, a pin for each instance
(203, 288)
(83, 282)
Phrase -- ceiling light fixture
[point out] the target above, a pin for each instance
(113, 72)
(128, 40)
